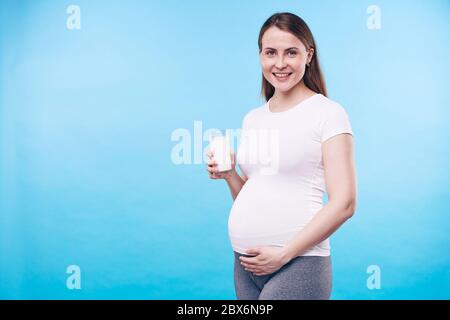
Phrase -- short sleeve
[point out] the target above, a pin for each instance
(336, 121)
(246, 119)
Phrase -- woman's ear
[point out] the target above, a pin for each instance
(310, 55)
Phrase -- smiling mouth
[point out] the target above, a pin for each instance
(282, 75)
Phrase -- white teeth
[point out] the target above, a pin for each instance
(281, 74)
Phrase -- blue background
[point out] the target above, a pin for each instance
(86, 117)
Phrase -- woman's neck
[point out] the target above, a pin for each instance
(284, 100)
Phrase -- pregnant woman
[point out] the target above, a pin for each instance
(294, 147)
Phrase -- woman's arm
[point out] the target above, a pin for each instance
(341, 184)
(235, 183)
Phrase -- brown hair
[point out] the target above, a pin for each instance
(313, 77)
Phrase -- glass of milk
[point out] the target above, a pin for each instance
(219, 144)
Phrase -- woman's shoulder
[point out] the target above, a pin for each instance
(255, 112)
(328, 103)
(332, 116)
(326, 106)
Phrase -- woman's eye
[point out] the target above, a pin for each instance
(291, 53)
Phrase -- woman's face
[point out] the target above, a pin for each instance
(283, 58)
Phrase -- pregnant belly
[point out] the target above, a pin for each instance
(267, 209)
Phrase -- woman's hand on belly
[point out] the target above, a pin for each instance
(265, 260)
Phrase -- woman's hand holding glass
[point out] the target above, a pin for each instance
(212, 167)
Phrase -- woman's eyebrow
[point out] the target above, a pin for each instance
(284, 50)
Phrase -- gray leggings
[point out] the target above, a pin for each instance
(302, 278)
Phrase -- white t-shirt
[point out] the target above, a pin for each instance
(280, 153)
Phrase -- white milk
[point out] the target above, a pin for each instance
(220, 147)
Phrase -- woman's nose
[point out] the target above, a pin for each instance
(280, 63)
